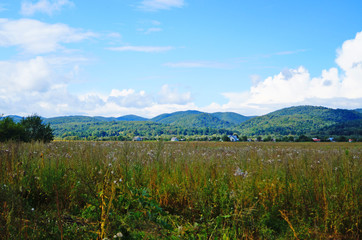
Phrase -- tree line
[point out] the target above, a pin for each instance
(27, 129)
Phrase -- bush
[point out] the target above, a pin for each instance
(27, 130)
(10, 130)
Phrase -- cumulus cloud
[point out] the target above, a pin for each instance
(40, 85)
(37, 37)
(29, 8)
(170, 95)
(32, 75)
(154, 5)
(296, 87)
(130, 98)
(147, 49)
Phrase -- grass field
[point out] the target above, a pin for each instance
(188, 190)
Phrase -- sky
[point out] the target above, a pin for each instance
(148, 57)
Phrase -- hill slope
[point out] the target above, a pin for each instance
(231, 117)
(193, 119)
(296, 121)
(131, 118)
(349, 129)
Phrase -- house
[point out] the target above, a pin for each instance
(174, 139)
(137, 139)
(331, 139)
(350, 140)
(316, 139)
(233, 138)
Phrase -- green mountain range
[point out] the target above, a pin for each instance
(196, 119)
(292, 121)
(297, 121)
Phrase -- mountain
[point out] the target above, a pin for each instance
(131, 118)
(297, 120)
(301, 120)
(358, 110)
(172, 117)
(192, 119)
(351, 128)
(16, 118)
(230, 117)
(74, 119)
(86, 119)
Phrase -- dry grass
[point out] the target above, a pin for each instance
(153, 190)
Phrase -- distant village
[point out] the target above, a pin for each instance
(235, 138)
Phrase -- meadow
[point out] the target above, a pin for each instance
(180, 190)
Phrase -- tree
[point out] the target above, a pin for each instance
(35, 130)
(225, 138)
(10, 130)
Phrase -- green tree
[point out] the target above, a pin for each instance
(225, 138)
(10, 130)
(36, 130)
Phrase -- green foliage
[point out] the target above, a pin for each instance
(73, 129)
(303, 120)
(289, 124)
(10, 130)
(230, 117)
(162, 190)
(28, 129)
(193, 119)
(351, 128)
(35, 130)
(225, 138)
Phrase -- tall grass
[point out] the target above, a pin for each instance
(158, 190)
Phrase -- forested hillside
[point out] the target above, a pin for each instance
(193, 119)
(126, 130)
(297, 121)
(231, 117)
(291, 122)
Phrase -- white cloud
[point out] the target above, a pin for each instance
(114, 35)
(255, 79)
(170, 95)
(147, 49)
(154, 5)
(196, 64)
(152, 30)
(38, 37)
(297, 87)
(155, 22)
(32, 75)
(40, 85)
(130, 98)
(44, 6)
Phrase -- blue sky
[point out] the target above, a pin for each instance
(147, 57)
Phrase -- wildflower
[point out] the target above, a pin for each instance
(239, 172)
(119, 234)
(32, 209)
